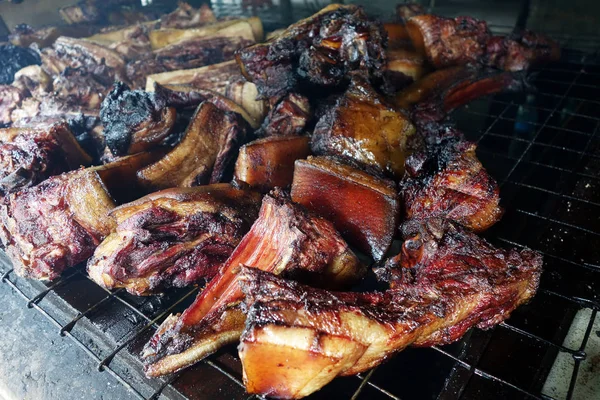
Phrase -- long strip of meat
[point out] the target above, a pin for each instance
(447, 280)
(285, 239)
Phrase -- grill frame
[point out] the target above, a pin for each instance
(581, 61)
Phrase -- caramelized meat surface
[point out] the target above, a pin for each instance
(448, 280)
(135, 120)
(363, 128)
(364, 208)
(288, 117)
(447, 180)
(285, 239)
(175, 237)
(464, 40)
(320, 50)
(29, 156)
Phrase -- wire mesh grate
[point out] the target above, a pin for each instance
(544, 150)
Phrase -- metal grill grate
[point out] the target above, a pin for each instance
(543, 148)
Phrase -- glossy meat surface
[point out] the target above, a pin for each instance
(285, 239)
(447, 280)
(447, 180)
(288, 117)
(175, 237)
(320, 50)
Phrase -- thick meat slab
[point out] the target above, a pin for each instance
(285, 239)
(298, 338)
(57, 224)
(204, 155)
(320, 50)
(447, 180)
(28, 155)
(269, 162)
(175, 237)
(288, 117)
(364, 208)
(363, 128)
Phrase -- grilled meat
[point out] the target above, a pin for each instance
(406, 11)
(447, 180)
(362, 128)
(29, 156)
(297, 338)
(186, 16)
(403, 67)
(288, 117)
(269, 162)
(205, 154)
(135, 120)
(285, 239)
(12, 59)
(464, 40)
(11, 98)
(320, 50)
(58, 223)
(104, 63)
(214, 77)
(34, 79)
(192, 53)
(175, 237)
(24, 35)
(246, 95)
(365, 209)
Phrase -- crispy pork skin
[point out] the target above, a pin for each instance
(58, 223)
(320, 50)
(365, 209)
(298, 338)
(447, 180)
(288, 117)
(175, 237)
(135, 120)
(204, 155)
(285, 239)
(269, 162)
(363, 128)
(28, 156)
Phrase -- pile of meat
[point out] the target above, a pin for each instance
(266, 177)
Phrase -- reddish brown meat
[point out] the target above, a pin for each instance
(297, 338)
(447, 180)
(285, 239)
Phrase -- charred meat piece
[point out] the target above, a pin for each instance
(80, 53)
(447, 180)
(33, 79)
(434, 96)
(24, 35)
(175, 237)
(406, 11)
(363, 208)
(11, 98)
(80, 88)
(448, 42)
(57, 224)
(403, 67)
(320, 50)
(186, 16)
(192, 53)
(297, 338)
(269, 162)
(214, 77)
(14, 58)
(362, 128)
(518, 52)
(288, 117)
(134, 120)
(285, 239)
(464, 40)
(205, 154)
(29, 156)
